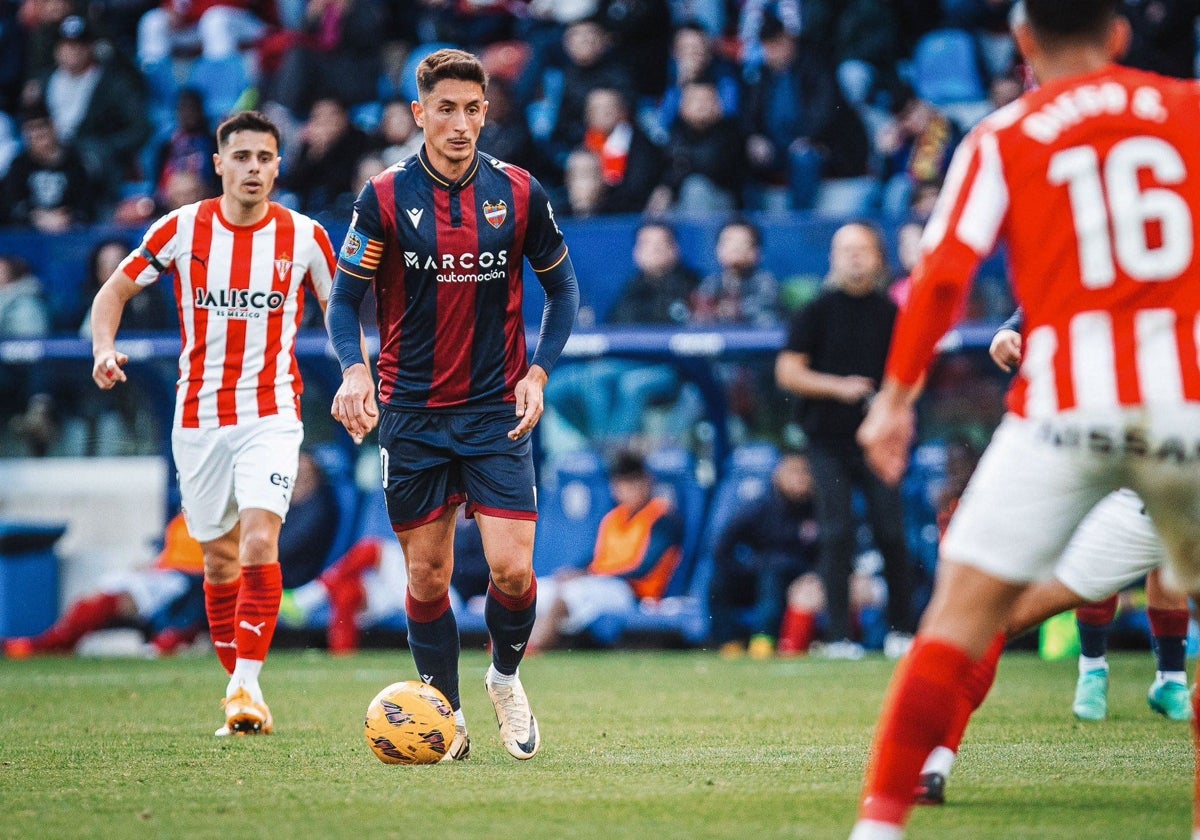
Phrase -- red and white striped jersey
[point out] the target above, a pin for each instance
(1094, 185)
(238, 291)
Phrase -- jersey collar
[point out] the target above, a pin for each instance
(436, 177)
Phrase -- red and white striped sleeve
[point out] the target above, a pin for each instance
(965, 225)
(156, 254)
(322, 264)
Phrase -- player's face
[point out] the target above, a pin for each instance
(451, 117)
(248, 166)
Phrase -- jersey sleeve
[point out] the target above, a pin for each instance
(965, 225)
(362, 249)
(322, 264)
(544, 245)
(155, 256)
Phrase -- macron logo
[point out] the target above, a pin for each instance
(256, 629)
(414, 216)
(427, 678)
(517, 646)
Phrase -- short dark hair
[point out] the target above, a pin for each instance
(449, 64)
(1070, 20)
(629, 464)
(247, 121)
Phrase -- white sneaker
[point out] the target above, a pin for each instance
(896, 645)
(518, 726)
(844, 649)
(460, 747)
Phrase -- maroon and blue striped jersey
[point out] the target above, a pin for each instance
(447, 262)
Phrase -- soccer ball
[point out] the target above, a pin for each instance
(410, 723)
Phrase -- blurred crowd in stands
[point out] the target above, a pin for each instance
(620, 106)
(676, 110)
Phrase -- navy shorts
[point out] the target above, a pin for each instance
(436, 460)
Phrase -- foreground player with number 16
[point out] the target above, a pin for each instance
(443, 236)
(1094, 181)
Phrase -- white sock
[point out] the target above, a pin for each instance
(494, 677)
(245, 675)
(939, 761)
(460, 719)
(1090, 663)
(876, 830)
(1170, 676)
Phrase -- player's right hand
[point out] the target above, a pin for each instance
(354, 403)
(106, 370)
(1006, 349)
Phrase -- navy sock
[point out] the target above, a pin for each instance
(433, 640)
(1093, 639)
(510, 622)
(1171, 652)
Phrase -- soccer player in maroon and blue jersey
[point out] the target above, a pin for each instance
(444, 236)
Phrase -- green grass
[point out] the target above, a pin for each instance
(637, 745)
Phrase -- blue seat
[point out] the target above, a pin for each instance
(747, 476)
(338, 465)
(570, 506)
(947, 68)
(221, 83)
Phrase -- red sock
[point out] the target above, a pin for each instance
(258, 610)
(1196, 750)
(83, 617)
(978, 683)
(220, 602)
(363, 556)
(346, 598)
(797, 631)
(1167, 623)
(1099, 613)
(922, 701)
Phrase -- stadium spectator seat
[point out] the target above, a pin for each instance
(570, 507)
(946, 68)
(221, 83)
(338, 465)
(747, 476)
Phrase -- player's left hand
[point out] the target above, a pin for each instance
(886, 434)
(531, 401)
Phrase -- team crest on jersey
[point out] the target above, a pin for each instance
(495, 212)
(283, 266)
(352, 245)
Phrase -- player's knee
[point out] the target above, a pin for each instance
(512, 578)
(259, 546)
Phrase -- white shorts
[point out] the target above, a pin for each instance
(587, 598)
(1038, 479)
(1114, 547)
(234, 468)
(150, 589)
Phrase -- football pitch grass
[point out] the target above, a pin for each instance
(644, 745)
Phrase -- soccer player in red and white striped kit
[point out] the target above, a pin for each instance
(239, 264)
(1093, 181)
